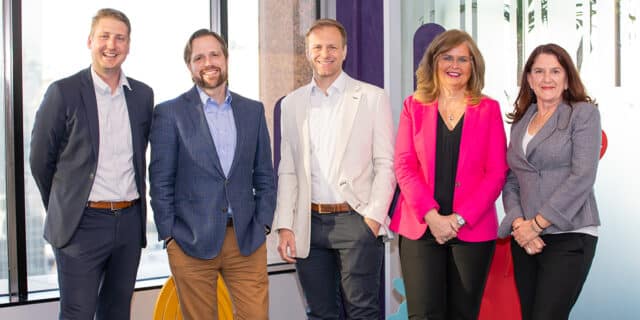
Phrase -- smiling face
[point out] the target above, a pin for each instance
(326, 52)
(207, 64)
(454, 68)
(109, 45)
(548, 79)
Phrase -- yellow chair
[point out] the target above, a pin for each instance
(168, 307)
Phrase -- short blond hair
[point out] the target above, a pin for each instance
(110, 13)
(324, 23)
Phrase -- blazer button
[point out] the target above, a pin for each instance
(91, 176)
(457, 184)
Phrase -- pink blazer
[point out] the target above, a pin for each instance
(481, 172)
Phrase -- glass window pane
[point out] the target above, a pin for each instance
(4, 259)
(266, 57)
(55, 46)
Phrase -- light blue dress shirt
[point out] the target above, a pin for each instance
(222, 128)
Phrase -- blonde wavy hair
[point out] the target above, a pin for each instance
(429, 86)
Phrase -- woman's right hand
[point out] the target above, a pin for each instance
(534, 246)
(443, 228)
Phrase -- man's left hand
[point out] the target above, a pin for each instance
(374, 226)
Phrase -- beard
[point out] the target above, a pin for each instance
(215, 83)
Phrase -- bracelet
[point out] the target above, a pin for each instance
(535, 228)
(538, 224)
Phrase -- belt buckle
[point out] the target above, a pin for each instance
(113, 209)
(322, 209)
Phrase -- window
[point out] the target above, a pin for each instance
(4, 257)
(54, 46)
(266, 57)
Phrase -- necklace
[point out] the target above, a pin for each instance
(451, 117)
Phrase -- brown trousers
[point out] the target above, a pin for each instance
(245, 276)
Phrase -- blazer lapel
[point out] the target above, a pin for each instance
(91, 106)
(469, 124)
(195, 114)
(545, 132)
(430, 126)
(134, 122)
(238, 114)
(302, 103)
(350, 103)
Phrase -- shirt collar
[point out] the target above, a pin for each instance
(204, 97)
(337, 86)
(102, 86)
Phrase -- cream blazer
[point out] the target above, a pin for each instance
(364, 149)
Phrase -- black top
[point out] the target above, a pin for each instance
(447, 151)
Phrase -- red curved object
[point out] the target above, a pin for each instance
(500, 300)
(603, 144)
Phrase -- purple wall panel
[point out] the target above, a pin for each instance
(365, 41)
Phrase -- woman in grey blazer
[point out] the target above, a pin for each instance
(548, 198)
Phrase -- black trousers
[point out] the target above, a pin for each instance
(550, 282)
(444, 281)
(97, 269)
(346, 257)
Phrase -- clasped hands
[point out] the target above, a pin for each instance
(527, 235)
(443, 228)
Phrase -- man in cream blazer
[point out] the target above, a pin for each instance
(335, 181)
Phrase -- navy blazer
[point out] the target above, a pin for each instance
(556, 174)
(189, 191)
(64, 150)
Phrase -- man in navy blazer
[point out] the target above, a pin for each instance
(88, 160)
(212, 187)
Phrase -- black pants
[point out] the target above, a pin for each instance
(97, 268)
(444, 281)
(345, 257)
(550, 282)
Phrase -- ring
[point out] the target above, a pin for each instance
(528, 250)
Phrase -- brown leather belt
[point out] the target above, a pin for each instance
(115, 205)
(324, 208)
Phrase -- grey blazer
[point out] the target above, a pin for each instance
(555, 176)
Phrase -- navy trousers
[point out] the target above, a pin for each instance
(345, 257)
(97, 268)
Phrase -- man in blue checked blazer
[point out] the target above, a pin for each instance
(212, 187)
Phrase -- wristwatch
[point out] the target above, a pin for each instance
(460, 219)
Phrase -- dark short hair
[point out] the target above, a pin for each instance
(188, 49)
(322, 23)
(575, 91)
(110, 13)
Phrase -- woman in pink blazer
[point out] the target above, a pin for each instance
(450, 164)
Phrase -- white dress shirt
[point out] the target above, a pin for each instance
(115, 176)
(325, 117)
